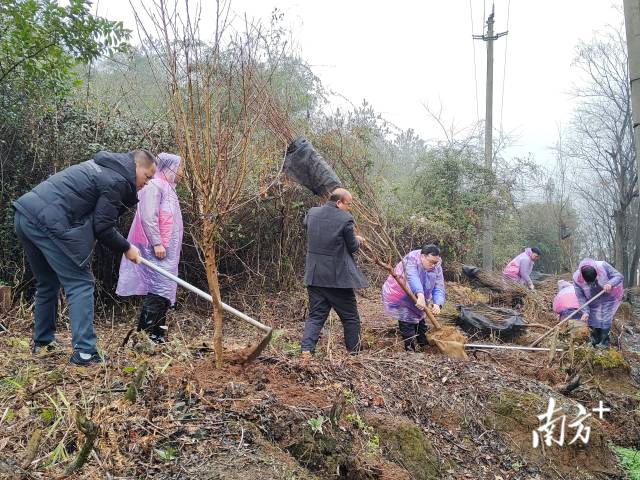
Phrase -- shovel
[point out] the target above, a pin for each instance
(255, 352)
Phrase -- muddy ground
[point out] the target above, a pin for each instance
(383, 414)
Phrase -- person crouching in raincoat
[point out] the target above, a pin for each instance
(565, 302)
(519, 269)
(422, 270)
(591, 278)
(157, 231)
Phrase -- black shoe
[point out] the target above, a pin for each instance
(159, 339)
(40, 348)
(159, 332)
(84, 359)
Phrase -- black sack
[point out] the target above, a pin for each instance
(510, 324)
(304, 165)
(470, 271)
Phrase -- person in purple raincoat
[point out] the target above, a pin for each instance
(157, 231)
(591, 278)
(519, 269)
(423, 272)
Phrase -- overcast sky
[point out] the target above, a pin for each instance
(403, 54)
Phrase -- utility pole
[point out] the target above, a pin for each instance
(632, 26)
(487, 230)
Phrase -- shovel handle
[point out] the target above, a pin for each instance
(204, 295)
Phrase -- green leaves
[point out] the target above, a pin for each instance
(630, 460)
(42, 41)
(317, 423)
(167, 454)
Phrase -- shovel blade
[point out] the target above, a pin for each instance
(257, 350)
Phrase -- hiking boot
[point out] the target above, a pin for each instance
(83, 359)
(42, 348)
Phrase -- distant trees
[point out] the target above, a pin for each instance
(601, 147)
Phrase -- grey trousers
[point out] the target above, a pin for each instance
(51, 269)
(321, 301)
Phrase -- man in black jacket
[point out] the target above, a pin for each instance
(331, 273)
(58, 223)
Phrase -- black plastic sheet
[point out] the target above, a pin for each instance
(474, 318)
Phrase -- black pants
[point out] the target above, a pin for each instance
(321, 301)
(153, 315)
(411, 332)
(599, 336)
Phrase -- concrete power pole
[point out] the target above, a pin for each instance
(487, 230)
(632, 24)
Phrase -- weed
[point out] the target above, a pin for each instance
(47, 415)
(11, 384)
(280, 341)
(7, 416)
(373, 440)
(630, 460)
(317, 423)
(167, 454)
(349, 397)
(373, 445)
(59, 454)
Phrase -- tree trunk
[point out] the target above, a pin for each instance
(209, 247)
(619, 243)
(636, 255)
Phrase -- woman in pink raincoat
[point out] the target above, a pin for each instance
(519, 269)
(565, 302)
(157, 231)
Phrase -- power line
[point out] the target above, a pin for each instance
(504, 68)
(475, 68)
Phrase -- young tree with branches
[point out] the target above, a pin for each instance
(214, 94)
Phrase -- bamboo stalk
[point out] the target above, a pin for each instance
(32, 448)
(90, 431)
(134, 388)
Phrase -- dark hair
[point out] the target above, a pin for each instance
(589, 273)
(536, 250)
(430, 249)
(144, 155)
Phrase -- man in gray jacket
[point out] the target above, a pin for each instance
(331, 273)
